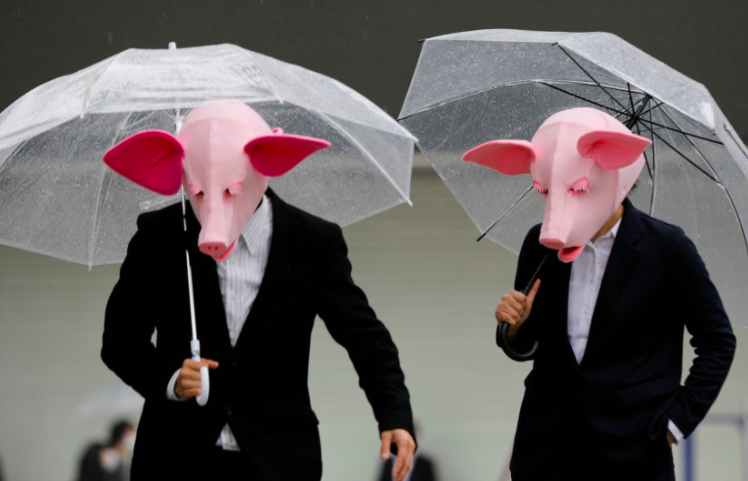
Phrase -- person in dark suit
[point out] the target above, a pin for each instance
(611, 409)
(258, 380)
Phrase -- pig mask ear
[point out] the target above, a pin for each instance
(152, 159)
(274, 155)
(610, 149)
(510, 157)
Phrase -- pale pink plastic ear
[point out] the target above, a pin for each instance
(610, 149)
(510, 157)
(274, 155)
(152, 159)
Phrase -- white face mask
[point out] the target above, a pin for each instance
(110, 460)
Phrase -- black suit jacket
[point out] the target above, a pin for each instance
(611, 410)
(260, 386)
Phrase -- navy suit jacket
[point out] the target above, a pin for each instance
(260, 387)
(611, 410)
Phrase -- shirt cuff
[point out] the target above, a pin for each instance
(677, 434)
(170, 394)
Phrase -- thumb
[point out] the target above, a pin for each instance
(533, 292)
(384, 452)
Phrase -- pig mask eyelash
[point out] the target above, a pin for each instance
(234, 189)
(539, 188)
(581, 186)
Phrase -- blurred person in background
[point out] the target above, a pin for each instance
(111, 461)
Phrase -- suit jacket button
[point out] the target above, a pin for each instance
(227, 410)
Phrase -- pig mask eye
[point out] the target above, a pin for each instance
(539, 188)
(580, 187)
(234, 189)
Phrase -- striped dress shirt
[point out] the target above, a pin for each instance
(239, 277)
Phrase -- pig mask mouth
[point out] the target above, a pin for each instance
(568, 254)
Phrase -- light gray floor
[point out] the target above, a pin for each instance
(427, 278)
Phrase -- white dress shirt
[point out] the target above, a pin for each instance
(239, 277)
(587, 272)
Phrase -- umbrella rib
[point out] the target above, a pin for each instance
(503, 214)
(654, 171)
(582, 98)
(590, 76)
(682, 155)
(365, 152)
(646, 159)
(718, 142)
(696, 148)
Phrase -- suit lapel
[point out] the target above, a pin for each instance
(621, 262)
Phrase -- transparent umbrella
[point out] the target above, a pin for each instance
(58, 198)
(472, 87)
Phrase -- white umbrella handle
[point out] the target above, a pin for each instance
(202, 399)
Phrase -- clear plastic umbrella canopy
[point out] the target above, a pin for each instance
(472, 87)
(58, 198)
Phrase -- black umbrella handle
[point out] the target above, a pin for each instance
(503, 338)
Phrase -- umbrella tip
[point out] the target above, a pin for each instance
(172, 45)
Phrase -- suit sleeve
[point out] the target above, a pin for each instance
(353, 324)
(130, 321)
(527, 263)
(711, 337)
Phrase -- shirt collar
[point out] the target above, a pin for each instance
(253, 230)
(611, 234)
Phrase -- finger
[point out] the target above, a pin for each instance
(398, 469)
(404, 458)
(186, 374)
(384, 452)
(533, 292)
(515, 304)
(190, 393)
(517, 296)
(191, 365)
(512, 314)
(504, 318)
(209, 362)
(188, 384)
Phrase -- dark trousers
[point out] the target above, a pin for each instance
(229, 466)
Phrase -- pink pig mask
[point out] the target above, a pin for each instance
(583, 161)
(224, 155)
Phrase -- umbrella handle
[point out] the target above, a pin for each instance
(503, 342)
(202, 399)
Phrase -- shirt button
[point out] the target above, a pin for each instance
(592, 281)
(232, 336)
(233, 296)
(233, 262)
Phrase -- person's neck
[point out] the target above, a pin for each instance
(609, 223)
